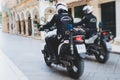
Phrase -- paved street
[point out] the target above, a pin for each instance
(21, 59)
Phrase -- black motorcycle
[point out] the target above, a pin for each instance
(71, 52)
(98, 45)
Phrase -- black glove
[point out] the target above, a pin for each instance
(40, 29)
(37, 24)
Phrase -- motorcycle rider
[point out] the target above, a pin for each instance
(61, 20)
(89, 21)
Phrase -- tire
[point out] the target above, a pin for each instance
(47, 57)
(79, 64)
(103, 55)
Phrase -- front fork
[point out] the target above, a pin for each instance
(71, 44)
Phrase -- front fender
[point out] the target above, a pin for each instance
(107, 46)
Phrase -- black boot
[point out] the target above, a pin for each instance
(54, 58)
(43, 51)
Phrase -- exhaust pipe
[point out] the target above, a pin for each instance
(94, 51)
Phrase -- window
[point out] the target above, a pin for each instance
(70, 11)
(78, 11)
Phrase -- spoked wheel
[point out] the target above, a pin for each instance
(47, 57)
(76, 68)
(103, 55)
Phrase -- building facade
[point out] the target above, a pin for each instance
(24, 12)
(18, 18)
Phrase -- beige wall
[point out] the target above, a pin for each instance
(21, 9)
(5, 22)
(118, 20)
(105, 1)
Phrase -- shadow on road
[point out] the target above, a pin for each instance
(114, 52)
(59, 70)
(90, 58)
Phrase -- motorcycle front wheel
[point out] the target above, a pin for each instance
(103, 55)
(76, 68)
(47, 57)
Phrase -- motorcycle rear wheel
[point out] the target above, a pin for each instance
(76, 68)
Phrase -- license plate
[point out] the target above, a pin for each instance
(108, 45)
(81, 48)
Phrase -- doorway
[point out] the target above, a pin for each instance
(108, 17)
(29, 26)
(19, 26)
(24, 27)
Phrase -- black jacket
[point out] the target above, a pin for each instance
(89, 21)
(61, 21)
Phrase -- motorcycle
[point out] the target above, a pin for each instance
(99, 45)
(71, 52)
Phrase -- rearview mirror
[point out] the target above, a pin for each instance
(100, 24)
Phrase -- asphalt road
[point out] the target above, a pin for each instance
(26, 55)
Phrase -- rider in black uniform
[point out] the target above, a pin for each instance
(89, 21)
(61, 21)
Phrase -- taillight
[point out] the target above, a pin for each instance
(105, 33)
(79, 38)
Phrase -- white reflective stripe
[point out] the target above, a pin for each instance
(60, 47)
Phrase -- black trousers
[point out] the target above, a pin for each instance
(52, 44)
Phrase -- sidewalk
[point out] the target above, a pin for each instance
(116, 48)
(8, 70)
